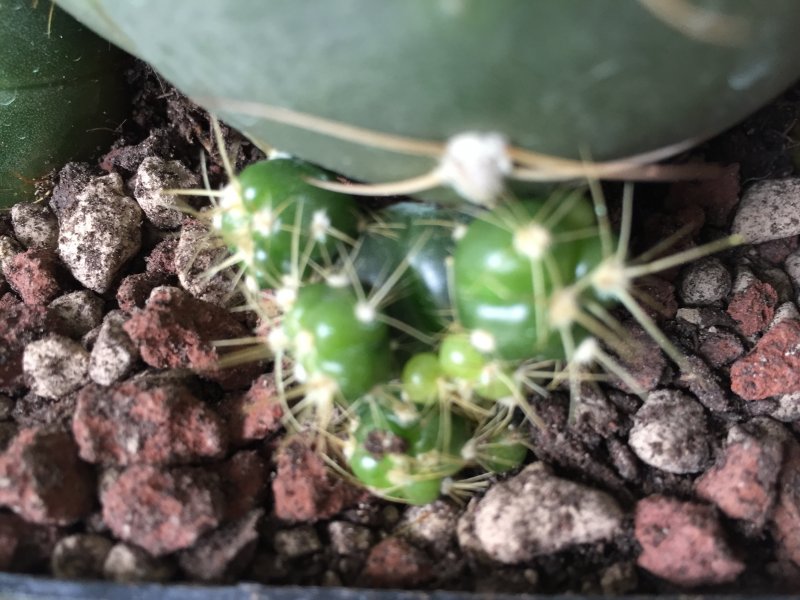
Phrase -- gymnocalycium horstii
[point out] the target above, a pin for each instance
(411, 339)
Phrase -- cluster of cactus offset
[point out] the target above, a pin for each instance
(412, 338)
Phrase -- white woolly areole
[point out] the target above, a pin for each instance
(337, 280)
(320, 225)
(285, 297)
(475, 165)
(532, 240)
(564, 308)
(278, 340)
(365, 312)
(586, 351)
(482, 341)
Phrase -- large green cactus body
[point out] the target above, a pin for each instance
(60, 94)
(563, 77)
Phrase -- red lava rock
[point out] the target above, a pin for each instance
(140, 421)
(743, 481)
(134, 290)
(772, 366)
(776, 251)
(19, 325)
(394, 563)
(24, 546)
(719, 348)
(718, 197)
(255, 414)
(786, 517)
(246, 477)
(303, 488)
(161, 259)
(662, 293)
(683, 543)
(176, 330)
(33, 274)
(162, 510)
(754, 307)
(43, 480)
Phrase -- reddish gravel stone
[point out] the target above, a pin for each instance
(134, 290)
(176, 330)
(719, 348)
(786, 517)
(773, 365)
(394, 563)
(662, 293)
(141, 421)
(161, 259)
(754, 307)
(255, 414)
(776, 251)
(743, 481)
(683, 543)
(717, 197)
(246, 478)
(162, 511)
(19, 325)
(33, 274)
(24, 546)
(42, 479)
(303, 488)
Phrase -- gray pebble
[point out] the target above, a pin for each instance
(9, 248)
(669, 433)
(431, 527)
(114, 354)
(788, 409)
(536, 513)
(100, 233)
(80, 556)
(35, 226)
(349, 539)
(705, 282)
(769, 210)
(55, 366)
(792, 267)
(195, 255)
(296, 542)
(80, 312)
(153, 177)
(130, 564)
(6, 407)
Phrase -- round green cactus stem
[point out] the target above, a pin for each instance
(404, 454)
(278, 226)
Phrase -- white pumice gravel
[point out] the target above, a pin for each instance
(536, 513)
(35, 225)
(114, 354)
(55, 366)
(769, 210)
(156, 175)
(100, 232)
(80, 312)
(705, 282)
(670, 433)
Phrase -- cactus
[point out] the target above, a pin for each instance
(512, 299)
(418, 335)
(61, 94)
